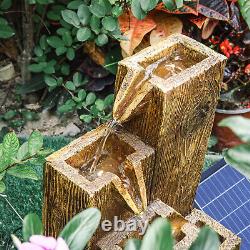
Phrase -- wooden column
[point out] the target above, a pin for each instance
(67, 191)
(174, 116)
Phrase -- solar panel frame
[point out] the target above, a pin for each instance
(224, 194)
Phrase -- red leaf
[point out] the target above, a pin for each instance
(217, 9)
(198, 21)
(134, 30)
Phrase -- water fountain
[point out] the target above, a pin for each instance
(165, 102)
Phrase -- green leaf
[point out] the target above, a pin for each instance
(81, 228)
(239, 158)
(67, 38)
(83, 14)
(2, 174)
(70, 54)
(133, 244)
(43, 42)
(10, 144)
(23, 172)
(90, 99)
(3, 21)
(170, 4)
(245, 10)
(158, 236)
(70, 86)
(2, 187)
(71, 17)
(38, 51)
(86, 118)
(109, 100)
(239, 125)
(83, 34)
(101, 39)
(36, 68)
(6, 31)
(109, 23)
(179, 3)
(137, 10)
(45, 152)
(95, 24)
(69, 106)
(60, 51)
(32, 225)
(23, 152)
(73, 5)
(207, 240)
(35, 142)
(9, 115)
(148, 5)
(97, 9)
(117, 10)
(50, 81)
(65, 69)
(5, 4)
(100, 105)
(82, 94)
(77, 79)
(55, 41)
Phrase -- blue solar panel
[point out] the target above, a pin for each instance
(224, 194)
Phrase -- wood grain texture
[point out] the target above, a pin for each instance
(67, 192)
(177, 117)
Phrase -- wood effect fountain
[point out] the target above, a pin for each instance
(165, 103)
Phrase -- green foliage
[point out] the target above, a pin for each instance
(32, 225)
(239, 156)
(244, 8)
(14, 158)
(6, 31)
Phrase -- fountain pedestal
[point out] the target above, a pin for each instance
(173, 114)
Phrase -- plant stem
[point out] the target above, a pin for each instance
(8, 202)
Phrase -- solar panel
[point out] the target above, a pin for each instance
(224, 194)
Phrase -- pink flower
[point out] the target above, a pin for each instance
(40, 242)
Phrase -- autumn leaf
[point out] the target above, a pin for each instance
(134, 30)
(208, 28)
(198, 21)
(166, 26)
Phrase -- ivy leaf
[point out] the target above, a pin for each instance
(23, 172)
(81, 228)
(38, 51)
(77, 79)
(70, 86)
(137, 10)
(82, 94)
(90, 99)
(32, 225)
(55, 41)
(5, 4)
(109, 23)
(83, 14)
(35, 142)
(36, 68)
(83, 34)
(95, 24)
(67, 38)
(109, 100)
(2, 187)
(23, 152)
(60, 51)
(71, 17)
(206, 240)
(245, 10)
(6, 31)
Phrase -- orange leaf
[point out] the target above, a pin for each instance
(166, 26)
(134, 30)
(198, 21)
